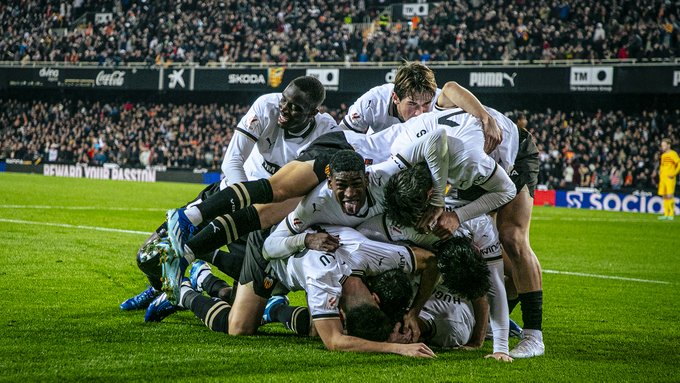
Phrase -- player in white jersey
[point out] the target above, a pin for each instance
(414, 90)
(485, 238)
(328, 284)
(289, 121)
(518, 155)
(413, 93)
(448, 320)
(264, 140)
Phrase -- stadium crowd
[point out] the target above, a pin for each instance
(604, 150)
(227, 31)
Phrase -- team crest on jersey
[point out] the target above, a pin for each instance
(268, 282)
(332, 302)
(252, 122)
(355, 117)
(368, 161)
(297, 223)
(327, 170)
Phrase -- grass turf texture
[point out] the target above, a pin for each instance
(61, 287)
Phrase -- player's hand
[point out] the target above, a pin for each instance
(397, 336)
(430, 216)
(411, 324)
(499, 356)
(416, 350)
(470, 346)
(492, 134)
(322, 242)
(447, 223)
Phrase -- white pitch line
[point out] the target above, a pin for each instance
(74, 226)
(147, 233)
(47, 207)
(630, 220)
(605, 277)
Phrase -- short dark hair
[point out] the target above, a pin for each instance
(406, 194)
(393, 288)
(312, 87)
(413, 78)
(346, 161)
(463, 269)
(368, 322)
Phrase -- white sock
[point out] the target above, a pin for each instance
(194, 215)
(189, 255)
(183, 289)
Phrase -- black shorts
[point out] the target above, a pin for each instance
(255, 266)
(322, 150)
(524, 171)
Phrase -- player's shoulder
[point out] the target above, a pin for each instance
(267, 102)
(325, 121)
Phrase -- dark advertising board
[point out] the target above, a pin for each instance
(95, 78)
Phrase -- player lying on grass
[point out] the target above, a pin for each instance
(270, 134)
(327, 283)
(448, 319)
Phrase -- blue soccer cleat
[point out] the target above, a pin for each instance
(273, 301)
(197, 268)
(515, 330)
(173, 269)
(141, 300)
(160, 309)
(180, 229)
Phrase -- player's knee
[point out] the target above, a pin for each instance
(237, 328)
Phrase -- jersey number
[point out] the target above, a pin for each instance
(444, 120)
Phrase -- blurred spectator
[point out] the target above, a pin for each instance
(155, 32)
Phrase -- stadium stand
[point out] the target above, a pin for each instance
(236, 31)
(607, 150)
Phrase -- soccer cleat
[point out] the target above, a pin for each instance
(515, 330)
(197, 268)
(141, 300)
(180, 229)
(273, 301)
(528, 347)
(173, 269)
(160, 309)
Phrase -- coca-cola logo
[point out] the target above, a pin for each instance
(115, 78)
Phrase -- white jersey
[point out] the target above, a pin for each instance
(319, 274)
(505, 153)
(484, 236)
(450, 317)
(321, 207)
(260, 147)
(374, 110)
(368, 257)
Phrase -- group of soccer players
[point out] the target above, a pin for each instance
(385, 221)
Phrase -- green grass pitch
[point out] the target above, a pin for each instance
(63, 278)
